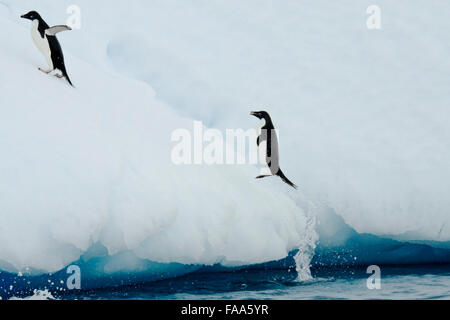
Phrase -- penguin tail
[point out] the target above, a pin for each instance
(67, 78)
(65, 75)
(285, 179)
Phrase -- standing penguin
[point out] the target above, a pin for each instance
(45, 40)
(268, 136)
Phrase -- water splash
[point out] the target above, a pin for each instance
(306, 249)
(302, 263)
(37, 295)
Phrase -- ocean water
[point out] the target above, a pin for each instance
(86, 176)
(397, 282)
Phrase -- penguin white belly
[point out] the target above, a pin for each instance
(265, 169)
(41, 43)
(262, 149)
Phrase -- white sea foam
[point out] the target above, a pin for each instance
(37, 295)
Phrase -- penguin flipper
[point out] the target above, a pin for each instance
(54, 30)
(260, 139)
(263, 176)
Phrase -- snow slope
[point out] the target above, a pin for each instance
(92, 165)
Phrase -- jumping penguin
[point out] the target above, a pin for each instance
(269, 154)
(44, 37)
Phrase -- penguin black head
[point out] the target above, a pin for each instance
(32, 15)
(261, 115)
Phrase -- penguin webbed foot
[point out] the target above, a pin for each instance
(45, 71)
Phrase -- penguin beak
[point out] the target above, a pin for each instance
(253, 113)
(22, 16)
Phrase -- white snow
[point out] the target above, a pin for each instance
(92, 164)
(363, 119)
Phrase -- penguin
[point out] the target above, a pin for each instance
(44, 37)
(269, 153)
